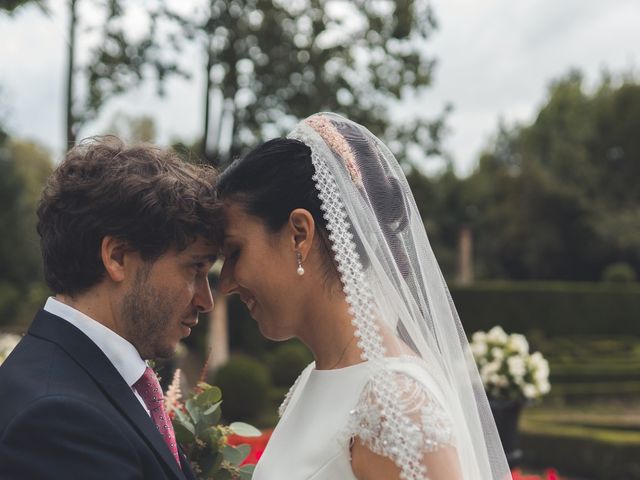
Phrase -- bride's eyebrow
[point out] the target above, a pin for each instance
(229, 239)
(204, 258)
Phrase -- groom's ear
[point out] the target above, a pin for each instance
(302, 228)
(114, 251)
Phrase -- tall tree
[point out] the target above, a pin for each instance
(118, 59)
(270, 63)
(25, 167)
(71, 120)
(559, 198)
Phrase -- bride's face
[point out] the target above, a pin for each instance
(260, 266)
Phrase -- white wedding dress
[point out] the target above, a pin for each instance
(325, 409)
(427, 413)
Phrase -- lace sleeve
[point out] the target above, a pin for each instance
(418, 436)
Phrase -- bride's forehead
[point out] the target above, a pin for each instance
(239, 223)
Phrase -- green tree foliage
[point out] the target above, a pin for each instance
(274, 62)
(560, 198)
(132, 128)
(24, 167)
(11, 6)
(441, 200)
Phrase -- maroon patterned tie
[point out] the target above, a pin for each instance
(149, 389)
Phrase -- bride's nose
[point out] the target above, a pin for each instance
(227, 284)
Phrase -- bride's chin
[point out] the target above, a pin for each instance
(274, 336)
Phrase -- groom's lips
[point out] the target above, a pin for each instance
(190, 324)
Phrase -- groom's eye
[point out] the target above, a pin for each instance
(200, 267)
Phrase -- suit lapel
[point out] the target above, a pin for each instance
(186, 467)
(87, 354)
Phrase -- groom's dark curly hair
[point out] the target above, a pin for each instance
(142, 194)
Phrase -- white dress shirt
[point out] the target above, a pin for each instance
(122, 354)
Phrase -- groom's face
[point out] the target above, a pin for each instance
(164, 298)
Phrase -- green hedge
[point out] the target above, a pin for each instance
(19, 306)
(552, 308)
(245, 386)
(596, 453)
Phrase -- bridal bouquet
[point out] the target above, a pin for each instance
(8, 341)
(508, 370)
(196, 424)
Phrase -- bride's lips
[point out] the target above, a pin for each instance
(250, 302)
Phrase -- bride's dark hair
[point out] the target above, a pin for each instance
(277, 177)
(271, 181)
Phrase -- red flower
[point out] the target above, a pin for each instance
(549, 474)
(257, 444)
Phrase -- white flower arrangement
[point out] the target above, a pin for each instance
(8, 342)
(507, 368)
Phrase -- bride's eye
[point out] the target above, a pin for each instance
(229, 253)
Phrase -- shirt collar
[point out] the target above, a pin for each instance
(122, 354)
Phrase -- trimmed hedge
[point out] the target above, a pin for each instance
(245, 387)
(287, 361)
(597, 453)
(553, 308)
(548, 308)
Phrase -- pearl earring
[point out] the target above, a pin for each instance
(300, 270)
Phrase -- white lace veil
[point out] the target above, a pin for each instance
(399, 299)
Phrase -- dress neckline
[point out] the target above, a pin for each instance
(331, 371)
(404, 358)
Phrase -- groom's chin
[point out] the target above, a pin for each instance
(161, 352)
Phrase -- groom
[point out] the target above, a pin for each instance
(128, 236)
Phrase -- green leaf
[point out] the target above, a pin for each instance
(181, 416)
(214, 436)
(246, 472)
(244, 429)
(185, 434)
(235, 455)
(194, 411)
(223, 475)
(212, 408)
(212, 418)
(208, 397)
(210, 464)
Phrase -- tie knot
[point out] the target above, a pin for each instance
(148, 387)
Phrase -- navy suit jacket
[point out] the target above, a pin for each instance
(66, 413)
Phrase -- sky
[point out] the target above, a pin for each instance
(496, 59)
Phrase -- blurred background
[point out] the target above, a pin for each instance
(517, 124)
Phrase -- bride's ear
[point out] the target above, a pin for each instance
(302, 228)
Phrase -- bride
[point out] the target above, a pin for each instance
(324, 242)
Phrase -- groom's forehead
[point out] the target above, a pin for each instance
(201, 249)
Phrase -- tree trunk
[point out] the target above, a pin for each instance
(218, 333)
(465, 256)
(73, 18)
(207, 102)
